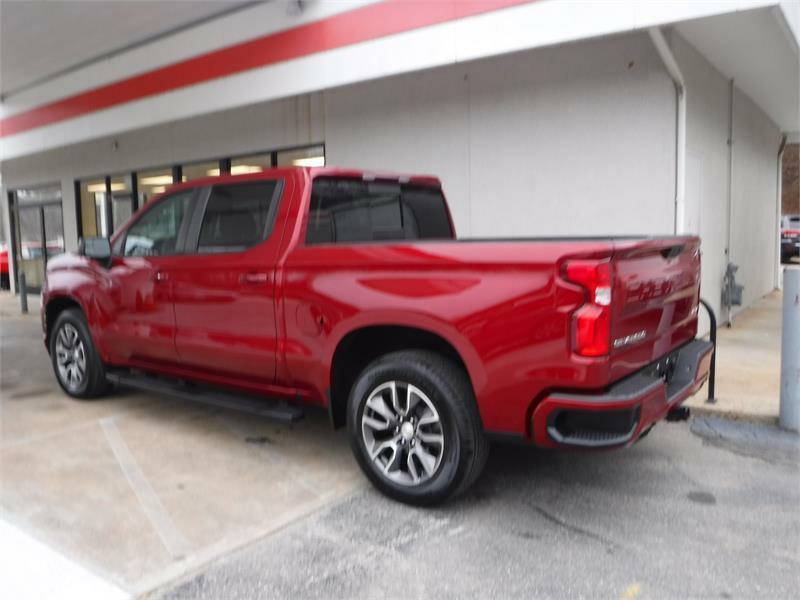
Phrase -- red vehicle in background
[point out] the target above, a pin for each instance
(348, 290)
(5, 282)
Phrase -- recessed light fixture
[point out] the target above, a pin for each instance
(156, 180)
(100, 188)
(311, 161)
(244, 169)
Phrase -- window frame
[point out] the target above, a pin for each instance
(196, 224)
(118, 244)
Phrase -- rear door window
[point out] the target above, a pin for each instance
(238, 216)
(352, 210)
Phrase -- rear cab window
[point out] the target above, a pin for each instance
(347, 210)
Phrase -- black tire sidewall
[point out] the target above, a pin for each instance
(94, 368)
(452, 469)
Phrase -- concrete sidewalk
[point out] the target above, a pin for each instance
(10, 306)
(748, 365)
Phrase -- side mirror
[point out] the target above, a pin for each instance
(96, 248)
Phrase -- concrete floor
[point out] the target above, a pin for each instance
(141, 488)
(156, 496)
(748, 364)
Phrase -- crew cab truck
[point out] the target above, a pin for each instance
(348, 290)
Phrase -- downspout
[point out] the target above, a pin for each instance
(665, 52)
(778, 209)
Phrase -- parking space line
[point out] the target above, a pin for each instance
(30, 569)
(40, 437)
(157, 514)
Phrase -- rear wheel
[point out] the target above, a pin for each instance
(414, 427)
(76, 364)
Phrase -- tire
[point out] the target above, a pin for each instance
(394, 446)
(83, 374)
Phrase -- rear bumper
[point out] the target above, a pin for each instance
(620, 415)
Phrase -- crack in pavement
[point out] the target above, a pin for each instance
(611, 545)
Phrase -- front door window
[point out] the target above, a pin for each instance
(161, 230)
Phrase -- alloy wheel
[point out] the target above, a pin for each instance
(70, 357)
(402, 433)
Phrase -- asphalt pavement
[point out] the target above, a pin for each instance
(707, 510)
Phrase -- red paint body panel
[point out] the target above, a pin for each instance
(503, 305)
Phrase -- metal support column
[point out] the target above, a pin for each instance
(790, 351)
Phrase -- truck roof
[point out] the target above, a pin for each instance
(312, 172)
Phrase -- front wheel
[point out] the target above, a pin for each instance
(414, 427)
(76, 364)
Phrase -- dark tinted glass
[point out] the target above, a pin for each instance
(352, 210)
(238, 216)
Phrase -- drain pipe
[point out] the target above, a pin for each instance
(778, 206)
(665, 52)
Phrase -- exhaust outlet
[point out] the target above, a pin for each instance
(679, 413)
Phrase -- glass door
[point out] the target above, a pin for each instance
(39, 233)
(30, 246)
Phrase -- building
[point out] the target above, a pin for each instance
(542, 117)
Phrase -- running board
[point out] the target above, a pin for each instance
(264, 407)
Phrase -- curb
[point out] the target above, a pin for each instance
(733, 415)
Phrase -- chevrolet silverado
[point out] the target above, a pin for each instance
(348, 290)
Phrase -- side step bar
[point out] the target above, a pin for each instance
(265, 407)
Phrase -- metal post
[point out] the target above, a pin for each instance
(712, 375)
(23, 293)
(790, 350)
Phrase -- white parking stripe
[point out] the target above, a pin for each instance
(30, 570)
(151, 504)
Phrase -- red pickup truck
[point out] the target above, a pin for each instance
(348, 290)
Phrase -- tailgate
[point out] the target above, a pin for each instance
(655, 299)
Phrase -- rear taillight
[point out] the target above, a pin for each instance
(592, 321)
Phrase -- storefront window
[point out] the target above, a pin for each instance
(121, 201)
(313, 156)
(93, 214)
(152, 183)
(101, 213)
(198, 170)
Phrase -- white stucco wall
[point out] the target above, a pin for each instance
(754, 223)
(570, 140)
(707, 159)
(751, 211)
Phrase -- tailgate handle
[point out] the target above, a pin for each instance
(672, 251)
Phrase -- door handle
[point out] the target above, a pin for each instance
(254, 278)
(160, 277)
